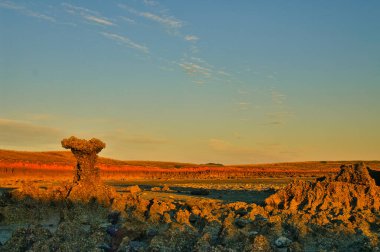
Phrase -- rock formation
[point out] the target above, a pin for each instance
(86, 154)
(351, 189)
(87, 184)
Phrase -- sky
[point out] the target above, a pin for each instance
(232, 82)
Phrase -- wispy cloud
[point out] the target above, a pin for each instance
(167, 21)
(98, 20)
(199, 70)
(87, 14)
(221, 72)
(150, 2)
(126, 41)
(25, 11)
(74, 9)
(195, 69)
(129, 20)
(191, 38)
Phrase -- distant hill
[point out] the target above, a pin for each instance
(15, 162)
(66, 157)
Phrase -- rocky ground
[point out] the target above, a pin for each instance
(337, 213)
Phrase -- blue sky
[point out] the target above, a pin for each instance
(194, 81)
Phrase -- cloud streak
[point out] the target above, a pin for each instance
(126, 41)
(87, 14)
(25, 11)
(150, 2)
(167, 21)
(164, 20)
(98, 20)
(195, 69)
(191, 38)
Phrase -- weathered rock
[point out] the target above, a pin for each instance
(351, 189)
(87, 185)
(241, 222)
(158, 208)
(355, 174)
(213, 230)
(261, 244)
(51, 222)
(182, 216)
(282, 242)
(166, 188)
(133, 189)
(151, 232)
(25, 239)
(137, 246)
(112, 230)
(114, 217)
(104, 226)
(5, 235)
(88, 192)
(176, 238)
(86, 154)
(156, 189)
(124, 244)
(203, 244)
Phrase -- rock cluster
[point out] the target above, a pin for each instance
(351, 189)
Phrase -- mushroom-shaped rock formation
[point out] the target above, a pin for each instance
(353, 188)
(87, 184)
(86, 154)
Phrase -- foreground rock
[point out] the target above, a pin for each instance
(340, 212)
(351, 189)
